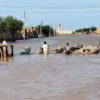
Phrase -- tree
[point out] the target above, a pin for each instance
(86, 29)
(2, 28)
(93, 28)
(45, 29)
(79, 30)
(38, 28)
(0, 24)
(12, 25)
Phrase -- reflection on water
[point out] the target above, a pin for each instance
(45, 57)
(6, 59)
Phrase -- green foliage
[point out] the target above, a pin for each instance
(79, 30)
(45, 29)
(93, 28)
(2, 25)
(86, 29)
(11, 25)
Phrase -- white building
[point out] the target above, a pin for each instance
(63, 32)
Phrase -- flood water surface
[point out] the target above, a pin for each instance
(52, 77)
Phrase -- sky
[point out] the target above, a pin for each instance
(71, 14)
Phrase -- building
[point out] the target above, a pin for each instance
(63, 32)
(29, 32)
(97, 30)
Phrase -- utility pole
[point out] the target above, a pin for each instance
(50, 30)
(41, 35)
(24, 35)
(55, 32)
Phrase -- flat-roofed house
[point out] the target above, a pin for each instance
(29, 32)
(97, 30)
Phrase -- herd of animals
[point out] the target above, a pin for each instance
(75, 49)
(78, 49)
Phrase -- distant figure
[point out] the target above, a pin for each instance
(4, 42)
(45, 48)
(67, 47)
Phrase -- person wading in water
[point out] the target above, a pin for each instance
(67, 48)
(45, 48)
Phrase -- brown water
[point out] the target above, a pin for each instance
(52, 77)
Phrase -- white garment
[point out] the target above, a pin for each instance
(4, 42)
(45, 48)
(0, 52)
(67, 48)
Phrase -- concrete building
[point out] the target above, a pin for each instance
(97, 30)
(29, 32)
(63, 32)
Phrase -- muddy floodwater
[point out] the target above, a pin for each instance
(52, 77)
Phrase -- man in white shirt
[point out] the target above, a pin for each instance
(67, 47)
(45, 48)
(4, 42)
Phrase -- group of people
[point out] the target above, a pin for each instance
(45, 48)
